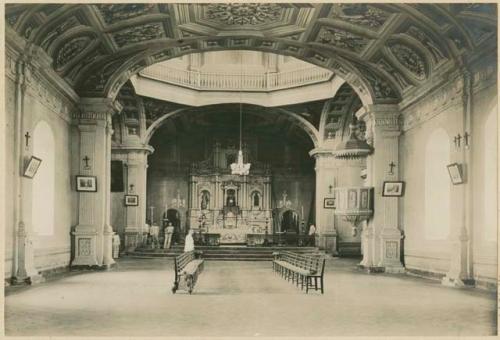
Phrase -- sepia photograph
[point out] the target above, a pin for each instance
(266, 169)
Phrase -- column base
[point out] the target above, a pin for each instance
(30, 280)
(93, 267)
(132, 241)
(395, 269)
(371, 269)
(456, 282)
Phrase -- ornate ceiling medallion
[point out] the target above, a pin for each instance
(410, 59)
(359, 14)
(341, 39)
(244, 13)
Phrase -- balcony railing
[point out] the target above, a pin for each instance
(235, 81)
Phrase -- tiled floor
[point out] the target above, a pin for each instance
(245, 299)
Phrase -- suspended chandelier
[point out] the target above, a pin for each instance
(240, 168)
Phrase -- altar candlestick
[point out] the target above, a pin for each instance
(151, 208)
(302, 211)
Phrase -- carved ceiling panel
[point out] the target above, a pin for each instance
(437, 52)
(240, 14)
(136, 34)
(71, 49)
(154, 109)
(360, 15)
(89, 42)
(113, 13)
(342, 39)
(412, 60)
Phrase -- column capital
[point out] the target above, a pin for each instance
(322, 153)
(139, 148)
(97, 108)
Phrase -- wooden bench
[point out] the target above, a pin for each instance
(187, 268)
(301, 269)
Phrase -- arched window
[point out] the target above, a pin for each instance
(437, 186)
(43, 193)
(490, 176)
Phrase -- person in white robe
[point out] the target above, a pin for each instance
(189, 242)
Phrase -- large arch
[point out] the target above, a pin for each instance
(309, 129)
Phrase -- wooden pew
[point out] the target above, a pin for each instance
(300, 269)
(187, 267)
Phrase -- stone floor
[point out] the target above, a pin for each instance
(244, 299)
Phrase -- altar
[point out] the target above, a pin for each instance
(230, 205)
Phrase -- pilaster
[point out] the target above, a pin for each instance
(136, 163)
(325, 224)
(93, 234)
(382, 236)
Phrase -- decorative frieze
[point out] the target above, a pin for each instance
(433, 104)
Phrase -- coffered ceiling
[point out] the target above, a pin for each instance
(382, 50)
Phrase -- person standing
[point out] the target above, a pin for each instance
(169, 230)
(189, 243)
(154, 231)
(312, 233)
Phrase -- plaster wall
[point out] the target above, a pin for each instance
(53, 250)
(421, 253)
(484, 237)
(434, 255)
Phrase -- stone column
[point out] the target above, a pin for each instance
(325, 224)
(381, 236)
(93, 234)
(137, 164)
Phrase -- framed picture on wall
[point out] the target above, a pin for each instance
(32, 167)
(393, 189)
(329, 203)
(455, 171)
(131, 200)
(86, 183)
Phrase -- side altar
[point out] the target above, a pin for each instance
(232, 206)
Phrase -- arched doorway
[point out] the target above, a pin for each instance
(290, 222)
(174, 217)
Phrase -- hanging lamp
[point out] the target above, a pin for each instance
(240, 168)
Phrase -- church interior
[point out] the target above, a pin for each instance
(362, 134)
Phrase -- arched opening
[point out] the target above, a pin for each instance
(43, 193)
(437, 186)
(290, 222)
(174, 217)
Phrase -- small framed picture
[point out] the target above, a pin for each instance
(131, 200)
(393, 189)
(329, 203)
(86, 183)
(455, 171)
(32, 167)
